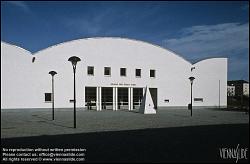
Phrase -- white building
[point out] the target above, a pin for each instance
(112, 74)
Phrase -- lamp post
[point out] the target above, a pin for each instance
(74, 60)
(191, 82)
(52, 73)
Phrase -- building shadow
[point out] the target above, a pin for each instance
(180, 144)
(51, 122)
(40, 117)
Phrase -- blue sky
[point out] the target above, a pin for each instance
(194, 30)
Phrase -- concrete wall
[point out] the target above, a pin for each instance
(211, 82)
(16, 77)
(25, 87)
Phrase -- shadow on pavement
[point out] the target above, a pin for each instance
(196, 143)
(231, 109)
(51, 122)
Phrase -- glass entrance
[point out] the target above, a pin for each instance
(137, 97)
(107, 98)
(122, 98)
(90, 98)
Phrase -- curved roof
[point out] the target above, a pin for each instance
(119, 38)
(15, 46)
(208, 59)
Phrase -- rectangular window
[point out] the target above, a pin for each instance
(123, 71)
(90, 70)
(166, 100)
(138, 72)
(198, 99)
(48, 97)
(107, 71)
(152, 73)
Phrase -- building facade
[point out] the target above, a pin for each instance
(246, 89)
(113, 74)
(240, 87)
(230, 90)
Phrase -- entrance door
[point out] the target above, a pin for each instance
(137, 97)
(90, 97)
(153, 92)
(107, 98)
(122, 98)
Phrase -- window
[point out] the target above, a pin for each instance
(107, 71)
(198, 99)
(152, 73)
(138, 72)
(90, 97)
(123, 71)
(166, 100)
(137, 97)
(48, 97)
(90, 70)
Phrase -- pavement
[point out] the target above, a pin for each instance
(38, 122)
(171, 135)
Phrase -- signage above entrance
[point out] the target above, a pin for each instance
(122, 84)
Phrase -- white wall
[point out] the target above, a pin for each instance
(211, 82)
(16, 77)
(172, 72)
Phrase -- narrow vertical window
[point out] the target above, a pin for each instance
(137, 72)
(48, 97)
(90, 70)
(107, 71)
(123, 71)
(152, 73)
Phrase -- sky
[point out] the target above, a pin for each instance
(194, 30)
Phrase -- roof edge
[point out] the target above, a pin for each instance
(13, 45)
(74, 40)
(131, 39)
(209, 59)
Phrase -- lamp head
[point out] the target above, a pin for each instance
(191, 79)
(52, 73)
(74, 60)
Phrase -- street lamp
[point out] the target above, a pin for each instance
(52, 73)
(191, 82)
(74, 60)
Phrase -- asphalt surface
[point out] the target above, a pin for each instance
(182, 144)
(122, 136)
(36, 122)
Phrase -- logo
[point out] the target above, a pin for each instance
(234, 153)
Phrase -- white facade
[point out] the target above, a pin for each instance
(24, 83)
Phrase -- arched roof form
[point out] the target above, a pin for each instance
(116, 41)
(16, 73)
(5, 45)
(23, 82)
(14, 56)
(209, 60)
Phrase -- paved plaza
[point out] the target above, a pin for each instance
(38, 122)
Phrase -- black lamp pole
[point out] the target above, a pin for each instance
(52, 73)
(74, 60)
(191, 82)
